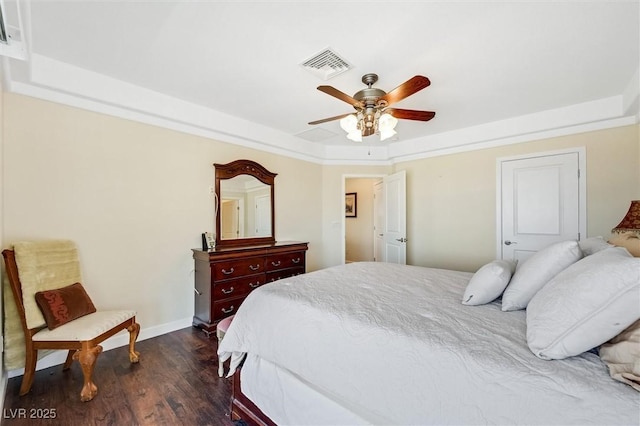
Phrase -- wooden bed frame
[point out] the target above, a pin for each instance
(242, 408)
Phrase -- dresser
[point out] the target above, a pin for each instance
(225, 276)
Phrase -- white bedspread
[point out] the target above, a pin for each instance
(394, 345)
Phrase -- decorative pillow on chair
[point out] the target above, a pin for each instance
(585, 305)
(64, 304)
(488, 283)
(532, 274)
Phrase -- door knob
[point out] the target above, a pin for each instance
(402, 240)
(508, 243)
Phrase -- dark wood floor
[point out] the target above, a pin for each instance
(175, 383)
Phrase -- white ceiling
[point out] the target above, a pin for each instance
(501, 72)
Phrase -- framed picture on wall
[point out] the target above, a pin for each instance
(351, 204)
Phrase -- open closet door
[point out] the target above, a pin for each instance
(394, 238)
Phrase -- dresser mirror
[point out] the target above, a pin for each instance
(245, 206)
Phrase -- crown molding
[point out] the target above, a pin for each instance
(55, 81)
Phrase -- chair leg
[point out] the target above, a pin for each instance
(29, 371)
(87, 357)
(67, 363)
(133, 329)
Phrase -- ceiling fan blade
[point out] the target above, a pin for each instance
(340, 95)
(406, 89)
(324, 120)
(410, 114)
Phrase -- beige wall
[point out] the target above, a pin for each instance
(451, 200)
(135, 198)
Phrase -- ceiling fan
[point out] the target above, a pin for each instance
(372, 108)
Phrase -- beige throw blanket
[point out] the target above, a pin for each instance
(622, 355)
(42, 265)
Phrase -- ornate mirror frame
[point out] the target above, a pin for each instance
(231, 170)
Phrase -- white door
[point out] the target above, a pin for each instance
(540, 203)
(263, 215)
(394, 188)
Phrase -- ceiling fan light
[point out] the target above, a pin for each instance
(386, 134)
(355, 135)
(349, 123)
(387, 122)
(371, 105)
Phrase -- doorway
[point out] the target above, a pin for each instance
(358, 227)
(380, 233)
(232, 210)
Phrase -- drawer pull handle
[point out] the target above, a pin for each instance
(276, 263)
(227, 291)
(254, 268)
(229, 272)
(256, 285)
(296, 260)
(228, 311)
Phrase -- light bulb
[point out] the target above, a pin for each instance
(387, 122)
(386, 134)
(386, 125)
(349, 123)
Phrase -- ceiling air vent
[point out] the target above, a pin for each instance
(11, 43)
(326, 64)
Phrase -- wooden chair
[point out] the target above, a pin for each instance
(81, 337)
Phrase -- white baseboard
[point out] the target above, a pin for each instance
(120, 339)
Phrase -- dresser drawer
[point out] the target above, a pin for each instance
(226, 307)
(285, 260)
(283, 273)
(237, 268)
(237, 287)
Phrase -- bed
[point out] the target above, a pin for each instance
(378, 343)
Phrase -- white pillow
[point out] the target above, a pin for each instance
(585, 305)
(488, 283)
(593, 245)
(532, 274)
